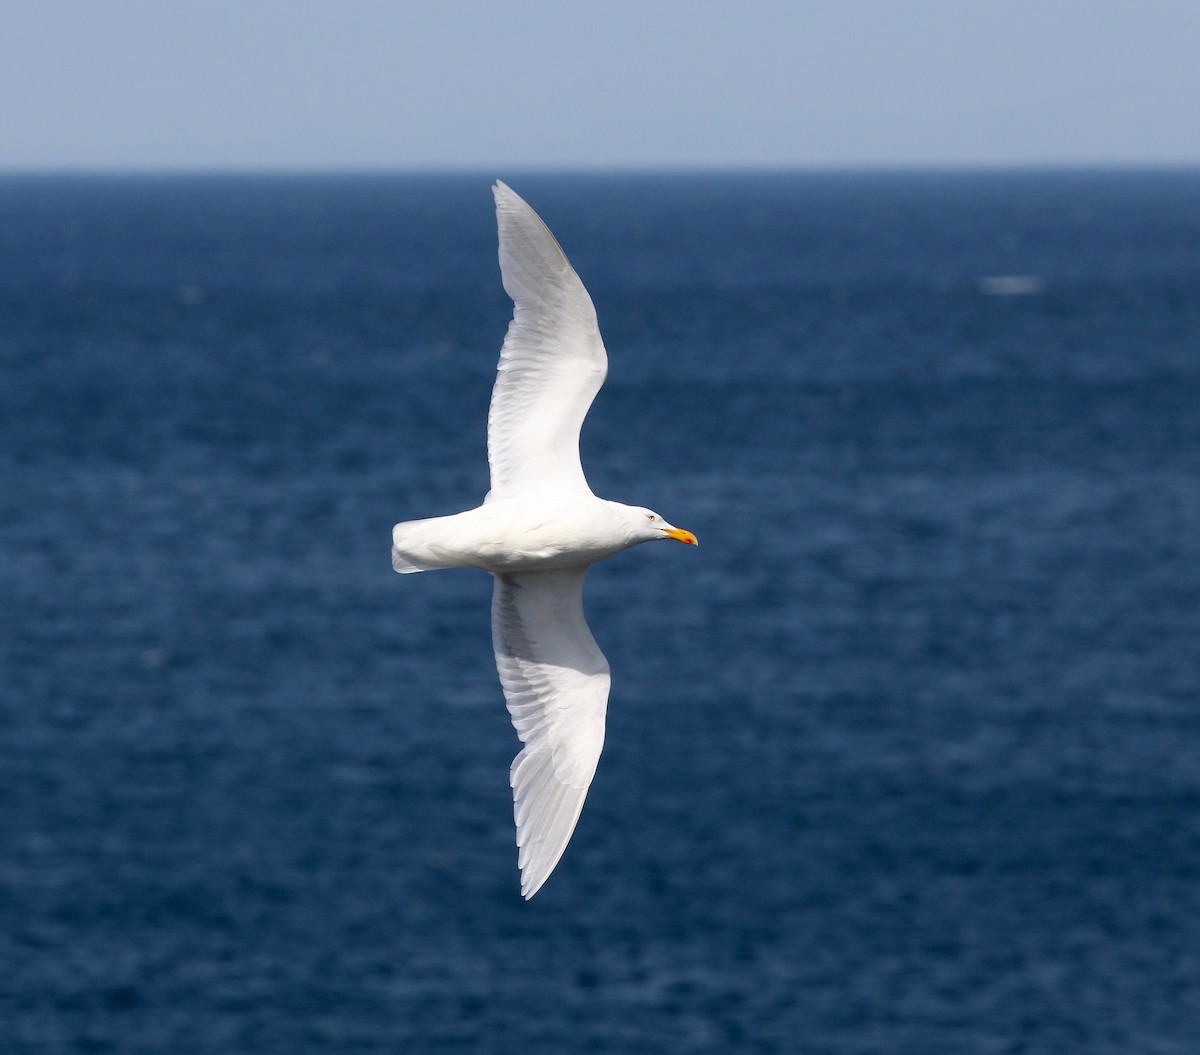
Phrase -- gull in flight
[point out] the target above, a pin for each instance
(537, 532)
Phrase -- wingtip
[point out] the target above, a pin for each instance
(545, 818)
(531, 885)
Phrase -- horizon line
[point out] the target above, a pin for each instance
(624, 169)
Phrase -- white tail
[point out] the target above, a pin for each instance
(405, 566)
(417, 545)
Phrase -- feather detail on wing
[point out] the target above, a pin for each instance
(556, 682)
(552, 364)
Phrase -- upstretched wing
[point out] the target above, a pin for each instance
(551, 366)
(555, 680)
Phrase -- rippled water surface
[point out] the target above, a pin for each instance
(905, 758)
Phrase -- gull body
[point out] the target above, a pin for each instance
(526, 533)
(538, 531)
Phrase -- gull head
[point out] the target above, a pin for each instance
(648, 526)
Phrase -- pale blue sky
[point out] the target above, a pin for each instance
(263, 84)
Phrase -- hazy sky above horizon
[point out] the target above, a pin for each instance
(268, 84)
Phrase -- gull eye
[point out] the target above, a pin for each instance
(651, 516)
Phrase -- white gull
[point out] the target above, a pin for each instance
(539, 529)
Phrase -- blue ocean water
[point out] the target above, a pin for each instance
(905, 758)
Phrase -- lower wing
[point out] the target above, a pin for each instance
(556, 681)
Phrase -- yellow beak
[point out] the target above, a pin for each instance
(679, 535)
